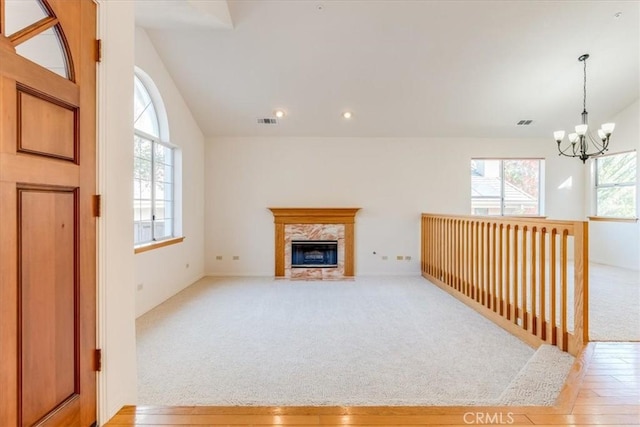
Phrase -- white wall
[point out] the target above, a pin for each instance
(163, 272)
(617, 243)
(392, 180)
(116, 308)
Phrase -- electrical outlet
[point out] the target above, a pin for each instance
(407, 257)
(236, 257)
(140, 286)
(384, 257)
(399, 257)
(218, 257)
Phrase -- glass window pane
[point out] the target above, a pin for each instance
(142, 169)
(164, 191)
(159, 209)
(522, 178)
(616, 201)
(145, 231)
(520, 208)
(162, 229)
(616, 169)
(485, 206)
(145, 210)
(153, 171)
(145, 117)
(163, 173)
(505, 187)
(145, 189)
(20, 14)
(485, 178)
(46, 50)
(163, 154)
(142, 147)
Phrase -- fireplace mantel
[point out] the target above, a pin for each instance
(284, 216)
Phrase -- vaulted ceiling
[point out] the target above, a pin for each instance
(404, 68)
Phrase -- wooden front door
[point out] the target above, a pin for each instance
(47, 223)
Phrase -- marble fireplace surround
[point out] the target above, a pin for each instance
(319, 223)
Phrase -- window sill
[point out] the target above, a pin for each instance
(611, 219)
(155, 245)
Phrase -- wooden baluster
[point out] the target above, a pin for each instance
(445, 252)
(581, 284)
(432, 247)
(438, 247)
(553, 289)
(492, 292)
(533, 285)
(507, 273)
(422, 242)
(450, 242)
(456, 258)
(563, 283)
(542, 314)
(514, 285)
(428, 245)
(460, 253)
(443, 225)
(469, 258)
(487, 264)
(481, 265)
(476, 249)
(452, 251)
(500, 281)
(442, 253)
(523, 309)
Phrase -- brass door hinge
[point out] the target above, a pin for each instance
(97, 205)
(98, 360)
(98, 50)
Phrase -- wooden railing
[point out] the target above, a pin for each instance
(515, 271)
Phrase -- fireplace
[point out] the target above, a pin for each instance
(331, 230)
(314, 253)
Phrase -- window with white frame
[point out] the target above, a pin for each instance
(615, 185)
(507, 187)
(153, 173)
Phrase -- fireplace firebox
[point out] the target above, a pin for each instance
(314, 253)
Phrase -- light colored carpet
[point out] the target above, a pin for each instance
(614, 303)
(371, 341)
(541, 380)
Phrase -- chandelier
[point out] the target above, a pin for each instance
(582, 143)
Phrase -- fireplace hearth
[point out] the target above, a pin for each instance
(314, 253)
(334, 226)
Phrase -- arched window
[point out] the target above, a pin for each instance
(154, 166)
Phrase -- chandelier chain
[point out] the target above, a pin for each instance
(584, 98)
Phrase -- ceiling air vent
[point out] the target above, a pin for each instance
(267, 121)
(524, 122)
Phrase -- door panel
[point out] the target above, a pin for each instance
(47, 301)
(47, 228)
(46, 126)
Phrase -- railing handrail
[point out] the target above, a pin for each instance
(568, 224)
(513, 270)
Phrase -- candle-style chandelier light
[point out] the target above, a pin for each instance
(582, 143)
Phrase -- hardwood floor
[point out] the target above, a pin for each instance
(603, 388)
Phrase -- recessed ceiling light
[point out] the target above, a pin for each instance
(279, 113)
(347, 114)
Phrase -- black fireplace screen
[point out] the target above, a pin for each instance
(314, 253)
